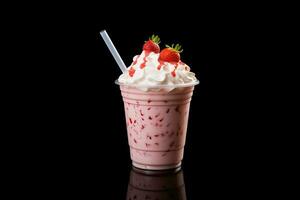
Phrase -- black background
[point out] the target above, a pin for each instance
(79, 111)
(71, 114)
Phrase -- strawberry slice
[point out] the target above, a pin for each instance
(152, 44)
(171, 53)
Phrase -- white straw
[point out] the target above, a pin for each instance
(113, 50)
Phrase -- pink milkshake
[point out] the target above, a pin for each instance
(157, 90)
(156, 126)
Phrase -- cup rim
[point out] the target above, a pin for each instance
(159, 86)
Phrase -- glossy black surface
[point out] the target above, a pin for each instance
(156, 185)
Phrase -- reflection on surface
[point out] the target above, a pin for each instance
(156, 185)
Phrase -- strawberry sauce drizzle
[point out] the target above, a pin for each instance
(173, 72)
(136, 60)
(160, 64)
(144, 59)
(131, 71)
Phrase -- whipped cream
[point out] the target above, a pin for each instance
(146, 73)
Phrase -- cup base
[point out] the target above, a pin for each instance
(155, 167)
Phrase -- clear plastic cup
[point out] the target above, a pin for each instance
(157, 124)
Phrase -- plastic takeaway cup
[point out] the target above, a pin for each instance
(157, 124)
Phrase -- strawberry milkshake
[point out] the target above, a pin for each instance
(157, 89)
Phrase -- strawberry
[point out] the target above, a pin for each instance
(152, 44)
(171, 53)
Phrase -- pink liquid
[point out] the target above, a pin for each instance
(156, 126)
